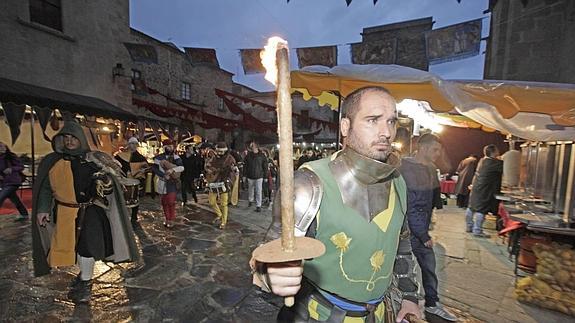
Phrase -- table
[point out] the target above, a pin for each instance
(447, 186)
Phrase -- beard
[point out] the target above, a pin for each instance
(355, 142)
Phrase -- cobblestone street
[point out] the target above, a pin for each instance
(196, 272)
(193, 272)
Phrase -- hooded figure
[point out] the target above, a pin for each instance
(78, 214)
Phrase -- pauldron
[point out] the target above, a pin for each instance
(308, 192)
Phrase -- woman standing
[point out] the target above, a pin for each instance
(10, 180)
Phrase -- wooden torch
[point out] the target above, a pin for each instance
(275, 58)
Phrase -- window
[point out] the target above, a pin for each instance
(47, 13)
(136, 77)
(186, 91)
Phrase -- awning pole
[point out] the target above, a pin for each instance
(338, 134)
(32, 142)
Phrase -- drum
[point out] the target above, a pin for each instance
(131, 191)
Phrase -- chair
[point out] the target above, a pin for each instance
(510, 227)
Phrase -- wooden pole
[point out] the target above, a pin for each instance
(284, 110)
(32, 168)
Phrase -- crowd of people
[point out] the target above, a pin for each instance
(372, 201)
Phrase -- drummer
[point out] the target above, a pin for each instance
(134, 165)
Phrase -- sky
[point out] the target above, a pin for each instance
(229, 25)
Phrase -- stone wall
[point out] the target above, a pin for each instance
(79, 59)
(532, 42)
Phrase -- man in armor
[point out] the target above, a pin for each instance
(355, 203)
(220, 172)
(79, 214)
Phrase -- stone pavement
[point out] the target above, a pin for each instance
(476, 275)
(195, 272)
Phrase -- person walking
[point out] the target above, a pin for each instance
(255, 168)
(485, 185)
(420, 174)
(134, 165)
(220, 166)
(79, 214)
(10, 180)
(190, 173)
(353, 202)
(168, 168)
(466, 171)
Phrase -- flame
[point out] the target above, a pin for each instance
(268, 56)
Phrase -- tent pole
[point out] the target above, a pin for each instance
(32, 142)
(338, 134)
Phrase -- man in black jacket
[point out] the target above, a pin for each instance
(486, 184)
(423, 195)
(193, 166)
(255, 169)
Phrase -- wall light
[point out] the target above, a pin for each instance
(118, 70)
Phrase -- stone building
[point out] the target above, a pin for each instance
(401, 43)
(531, 40)
(175, 81)
(66, 45)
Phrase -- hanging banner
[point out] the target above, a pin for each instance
(14, 115)
(324, 55)
(454, 42)
(374, 52)
(251, 61)
(43, 115)
(202, 55)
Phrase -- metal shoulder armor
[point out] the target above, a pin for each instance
(308, 192)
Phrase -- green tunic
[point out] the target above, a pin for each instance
(360, 254)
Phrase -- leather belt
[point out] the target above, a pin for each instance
(75, 205)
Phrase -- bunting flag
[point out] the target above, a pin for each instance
(94, 137)
(43, 115)
(202, 55)
(324, 55)
(14, 115)
(453, 42)
(141, 130)
(251, 61)
(155, 125)
(374, 52)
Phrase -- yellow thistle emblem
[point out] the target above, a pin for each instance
(341, 241)
(377, 260)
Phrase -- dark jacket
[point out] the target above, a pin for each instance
(255, 165)
(13, 162)
(486, 184)
(193, 166)
(422, 196)
(466, 171)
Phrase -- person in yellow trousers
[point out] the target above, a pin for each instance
(220, 166)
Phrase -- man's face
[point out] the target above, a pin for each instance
(71, 142)
(373, 128)
(221, 151)
(309, 153)
(254, 147)
(431, 151)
